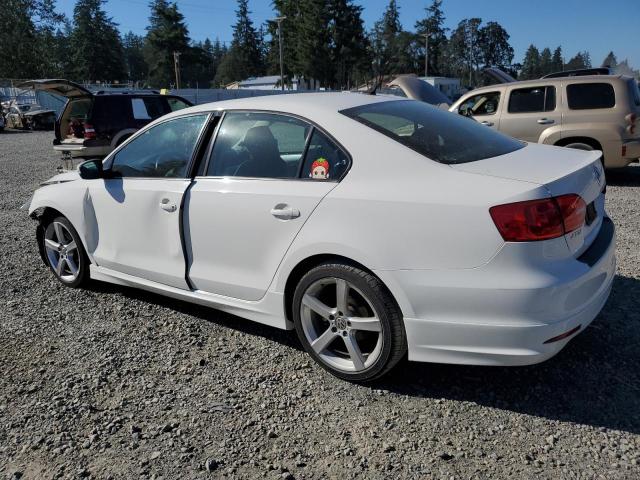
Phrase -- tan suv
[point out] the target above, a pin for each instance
(595, 112)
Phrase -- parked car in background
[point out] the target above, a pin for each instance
(410, 86)
(29, 116)
(92, 124)
(1, 121)
(375, 226)
(587, 112)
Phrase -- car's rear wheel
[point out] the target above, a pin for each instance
(64, 252)
(348, 322)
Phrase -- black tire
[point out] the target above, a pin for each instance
(371, 289)
(78, 257)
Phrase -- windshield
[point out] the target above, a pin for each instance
(441, 136)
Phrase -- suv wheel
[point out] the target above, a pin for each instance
(348, 322)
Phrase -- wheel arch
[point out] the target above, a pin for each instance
(577, 139)
(308, 263)
(44, 215)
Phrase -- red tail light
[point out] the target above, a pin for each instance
(631, 120)
(89, 131)
(539, 219)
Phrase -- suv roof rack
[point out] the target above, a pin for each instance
(127, 92)
(580, 72)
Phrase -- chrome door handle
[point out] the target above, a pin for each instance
(488, 124)
(545, 121)
(285, 212)
(166, 205)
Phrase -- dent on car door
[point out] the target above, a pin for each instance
(135, 210)
(265, 176)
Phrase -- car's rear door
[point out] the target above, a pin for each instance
(529, 111)
(134, 214)
(252, 198)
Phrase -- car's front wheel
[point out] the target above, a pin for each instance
(64, 252)
(348, 322)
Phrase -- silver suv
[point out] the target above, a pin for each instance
(595, 112)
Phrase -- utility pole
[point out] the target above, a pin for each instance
(176, 66)
(279, 21)
(426, 54)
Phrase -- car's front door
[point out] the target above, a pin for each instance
(265, 176)
(134, 213)
(484, 108)
(529, 112)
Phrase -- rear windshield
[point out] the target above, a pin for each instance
(588, 96)
(439, 135)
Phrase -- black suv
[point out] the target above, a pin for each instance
(92, 124)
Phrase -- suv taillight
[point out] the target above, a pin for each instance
(89, 131)
(631, 120)
(539, 219)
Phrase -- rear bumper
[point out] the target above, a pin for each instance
(489, 317)
(80, 150)
(631, 150)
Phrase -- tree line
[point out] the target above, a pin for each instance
(324, 40)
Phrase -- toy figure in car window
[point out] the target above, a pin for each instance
(320, 169)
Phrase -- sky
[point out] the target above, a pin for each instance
(597, 26)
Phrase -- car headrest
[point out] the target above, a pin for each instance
(260, 138)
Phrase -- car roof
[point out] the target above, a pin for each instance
(309, 105)
(546, 81)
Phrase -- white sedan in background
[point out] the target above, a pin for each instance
(376, 227)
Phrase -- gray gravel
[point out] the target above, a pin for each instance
(111, 382)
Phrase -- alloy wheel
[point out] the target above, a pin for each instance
(341, 325)
(62, 252)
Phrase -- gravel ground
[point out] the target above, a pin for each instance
(111, 382)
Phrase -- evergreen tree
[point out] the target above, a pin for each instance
(557, 63)
(166, 34)
(349, 46)
(465, 53)
(384, 41)
(96, 47)
(531, 64)
(137, 68)
(494, 45)
(314, 59)
(245, 55)
(610, 61)
(546, 62)
(580, 61)
(27, 36)
(433, 25)
(290, 32)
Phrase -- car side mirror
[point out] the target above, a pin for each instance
(91, 169)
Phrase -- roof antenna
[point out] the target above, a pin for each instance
(372, 90)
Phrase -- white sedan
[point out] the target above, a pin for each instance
(377, 227)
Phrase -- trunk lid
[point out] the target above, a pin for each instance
(61, 87)
(561, 171)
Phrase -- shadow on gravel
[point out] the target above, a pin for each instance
(10, 131)
(624, 177)
(594, 380)
(218, 317)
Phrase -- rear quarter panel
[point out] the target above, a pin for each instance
(398, 210)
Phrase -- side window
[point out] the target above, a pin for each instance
(535, 99)
(324, 159)
(162, 151)
(585, 96)
(176, 104)
(481, 104)
(148, 108)
(259, 145)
